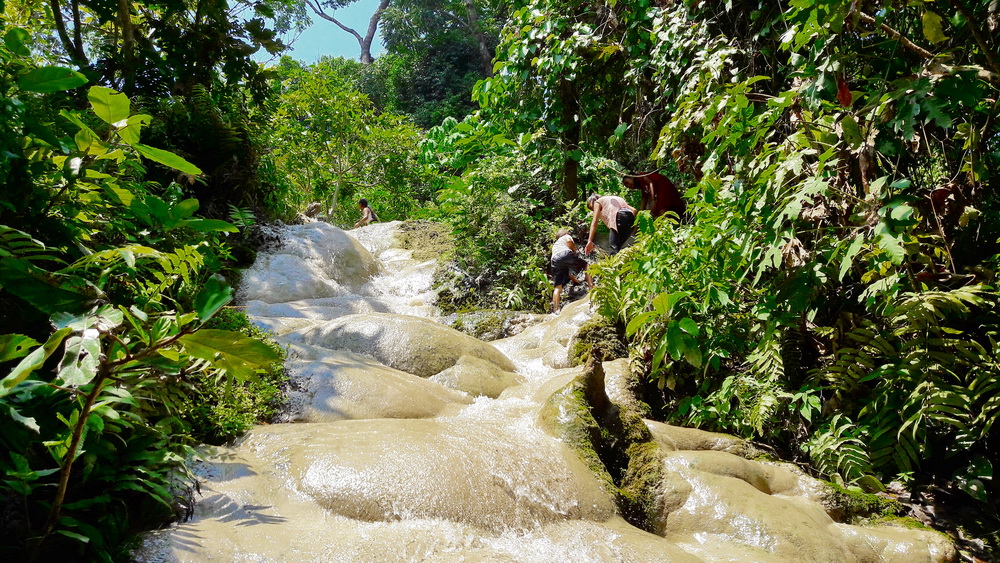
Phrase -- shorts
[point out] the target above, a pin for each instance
(625, 220)
(563, 263)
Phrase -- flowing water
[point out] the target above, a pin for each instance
(409, 441)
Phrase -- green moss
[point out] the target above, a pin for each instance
(598, 338)
(899, 522)
(486, 325)
(567, 416)
(639, 487)
(613, 441)
(852, 505)
(427, 239)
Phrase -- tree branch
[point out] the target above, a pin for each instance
(991, 57)
(897, 36)
(315, 7)
(372, 26)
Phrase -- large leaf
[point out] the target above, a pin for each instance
(166, 158)
(51, 79)
(13, 346)
(16, 39)
(49, 293)
(232, 352)
(111, 106)
(216, 293)
(33, 361)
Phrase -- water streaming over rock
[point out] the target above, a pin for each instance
(409, 441)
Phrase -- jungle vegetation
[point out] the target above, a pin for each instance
(830, 292)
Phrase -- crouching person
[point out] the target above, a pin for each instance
(566, 259)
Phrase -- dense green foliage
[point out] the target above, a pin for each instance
(833, 291)
(107, 284)
(336, 147)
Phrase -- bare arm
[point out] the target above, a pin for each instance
(593, 229)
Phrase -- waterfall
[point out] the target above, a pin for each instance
(406, 440)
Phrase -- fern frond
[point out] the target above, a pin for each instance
(18, 244)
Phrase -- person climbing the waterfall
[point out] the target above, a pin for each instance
(617, 214)
(565, 260)
(367, 215)
(659, 194)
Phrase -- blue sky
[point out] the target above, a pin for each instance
(325, 38)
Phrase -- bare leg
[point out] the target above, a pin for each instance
(556, 295)
(590, 280)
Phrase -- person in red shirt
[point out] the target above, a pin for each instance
(659, 195)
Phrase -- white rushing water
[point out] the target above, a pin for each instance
(408, 441)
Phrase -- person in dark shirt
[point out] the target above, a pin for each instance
(659, 195)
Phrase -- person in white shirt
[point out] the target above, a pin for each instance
(565, 260)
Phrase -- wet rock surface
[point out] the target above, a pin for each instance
(410, 441)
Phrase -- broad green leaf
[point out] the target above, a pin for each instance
(212, 297)
(28, 422)
(134, 124)
(692, 354)
(16, 39)
(184, 209)
(111, 106)
(13, 346)
(636, 323)
(852, 251)
(932, 27)
(870, 484)
(232, 352)
(33, 361)
(852, 133)
(689, 326)
(78, 537)
(166, 158)
(51, 79)
(48, 292)
(80, 362)
(210, 226)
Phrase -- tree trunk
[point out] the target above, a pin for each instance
(74, 46)
(485, 56)
(364, 42)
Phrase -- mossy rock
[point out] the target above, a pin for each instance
(428, 240)
(613, 441)
(597, 338)
(567, 416)
(850, 505)
(486, 325)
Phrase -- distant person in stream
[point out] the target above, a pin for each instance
(566, 260)
(617, 214)
(367, 215)
(659, 194)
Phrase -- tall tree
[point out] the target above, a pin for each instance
(365, 42)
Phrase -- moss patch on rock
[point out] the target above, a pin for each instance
(598, 338)
(852, 506)
(613, 441)
(427, 239)
(486, 325)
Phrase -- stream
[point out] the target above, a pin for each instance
(406, 440)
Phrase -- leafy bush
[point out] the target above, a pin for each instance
(108, 281)
(219, 409)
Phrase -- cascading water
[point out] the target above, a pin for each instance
(409, 441)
